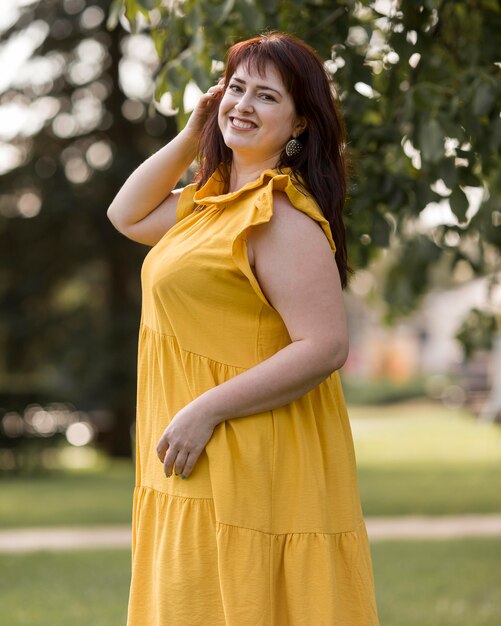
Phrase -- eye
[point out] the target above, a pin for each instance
(235, 88)
(266, 96)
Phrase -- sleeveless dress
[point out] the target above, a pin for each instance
(268, 529)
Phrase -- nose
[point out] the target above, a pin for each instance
(245, 103)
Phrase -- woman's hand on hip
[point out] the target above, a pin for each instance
(184, 439)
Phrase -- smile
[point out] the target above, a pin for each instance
(241, 124)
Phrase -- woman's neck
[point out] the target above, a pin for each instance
(243, 173)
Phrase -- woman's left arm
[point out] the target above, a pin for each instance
(298, 274)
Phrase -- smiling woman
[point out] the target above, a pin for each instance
(242, 334)
(281, 87)
(256, 120)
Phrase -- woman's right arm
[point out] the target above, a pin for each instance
(145, 207)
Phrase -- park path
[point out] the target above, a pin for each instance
(378, 528)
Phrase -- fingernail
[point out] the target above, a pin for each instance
(183, 476)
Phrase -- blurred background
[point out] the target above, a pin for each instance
(88, 90)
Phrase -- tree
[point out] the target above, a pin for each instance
(420, 91)
(421, 100)
(70, 287)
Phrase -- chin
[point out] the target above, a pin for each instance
(234, 144)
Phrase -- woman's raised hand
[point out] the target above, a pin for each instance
(205, 105)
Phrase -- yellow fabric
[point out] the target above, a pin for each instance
(268, 529)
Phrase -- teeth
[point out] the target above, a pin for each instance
(241, 124)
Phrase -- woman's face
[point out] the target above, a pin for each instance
(256, 115)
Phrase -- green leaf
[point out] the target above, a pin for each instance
(423, 95)
(459, 203)
(271, 6)
(192, 21)
(380, 232)
(200, 75)
(484, 99)
(424, 194)
(252, 18)
(132, 11)
(148, 5)
(495, 141)
(477, 331)
(448, 172)
(159, 38)
(467, 178)
(431, 140)
(226, 9)
(114, 14)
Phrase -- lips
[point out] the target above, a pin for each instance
(242, 124)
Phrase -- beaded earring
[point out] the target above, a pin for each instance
(293, 147)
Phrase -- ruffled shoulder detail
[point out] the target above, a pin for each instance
(300, 199)
(262, 211)
(212, 192)
(186, 203)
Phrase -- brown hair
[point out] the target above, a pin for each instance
(322, 162)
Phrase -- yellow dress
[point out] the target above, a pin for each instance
(268, 529)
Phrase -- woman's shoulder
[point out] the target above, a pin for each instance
(287, 205)
(289, 229)
(288, 214)
(290, 191)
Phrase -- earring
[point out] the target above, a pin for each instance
(293, 147)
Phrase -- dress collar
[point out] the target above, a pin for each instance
(211, 192)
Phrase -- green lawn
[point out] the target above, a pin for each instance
(422, 432)
(77, 588)
(440, 583)
(413, 458)
(418, 583)
(430, 489)
(421, 458)
(72, 497)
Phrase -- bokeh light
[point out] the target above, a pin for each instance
(79, 434)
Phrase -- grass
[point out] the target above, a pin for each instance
(417, 458)
(413, 458)
(422, 458)
(77, 588)
(446, 583)
(418, 583)
(69, 497)
(423, 432)
(430, 489)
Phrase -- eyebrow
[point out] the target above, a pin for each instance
(239, 80)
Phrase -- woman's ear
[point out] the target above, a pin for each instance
(300, 126)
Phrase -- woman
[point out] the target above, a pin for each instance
(246, 507)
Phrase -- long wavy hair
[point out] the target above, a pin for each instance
(322, 163)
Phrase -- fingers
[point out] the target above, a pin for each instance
(215, 90)
(182, 442)
(181, 462)
(169, 460)
(191, 459)
(162, 447)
